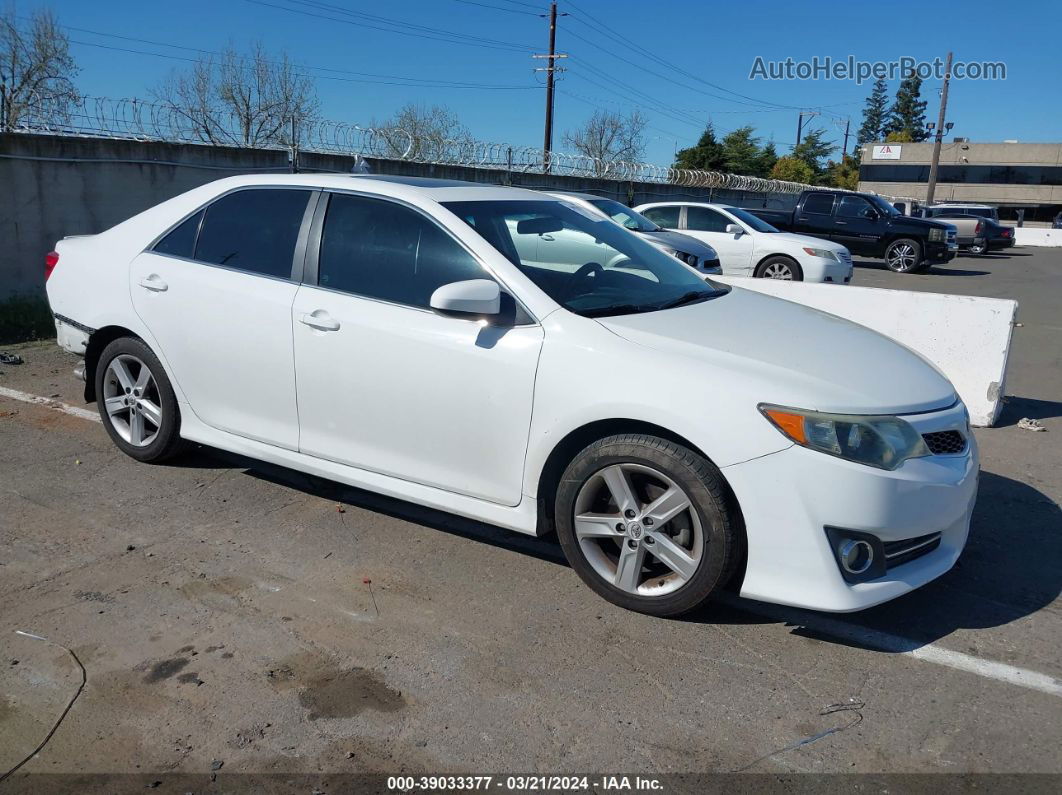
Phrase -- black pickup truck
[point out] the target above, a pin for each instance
(867, 225)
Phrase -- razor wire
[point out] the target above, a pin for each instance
(140, 120)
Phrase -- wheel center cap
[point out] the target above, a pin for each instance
(634, 530)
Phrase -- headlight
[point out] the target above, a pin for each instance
(936, 235)
(821, 252)
(878, 441)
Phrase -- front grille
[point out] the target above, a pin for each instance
(945, 442)
(899, 552)
(846, 257)
(951, 234)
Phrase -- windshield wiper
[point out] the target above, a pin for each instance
(691, 297)
(618, 309)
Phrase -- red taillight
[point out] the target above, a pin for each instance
(51, 259)
(1006, 232)
(978, 228)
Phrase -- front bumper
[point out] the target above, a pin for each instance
(819, 269)
(789, 498)
(940, 252)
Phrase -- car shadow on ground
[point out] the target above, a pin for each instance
(1008, 570)
(936, 270)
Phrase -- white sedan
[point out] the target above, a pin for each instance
(749, 246)
(410, 337)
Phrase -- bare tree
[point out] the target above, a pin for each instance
(244, 100)
(608, 136)
(36, 71)
(418, 131)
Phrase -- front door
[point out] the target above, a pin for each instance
(857, 226)
(387, 385)
(735, 250)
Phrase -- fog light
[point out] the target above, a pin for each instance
(856, 556)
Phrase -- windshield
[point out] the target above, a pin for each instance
(586, 264)
(882, 205)
(625, 216)
(747, 218)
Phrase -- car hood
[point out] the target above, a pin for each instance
(918, 223)
(792, 355)
(806, 240)
(684, 243)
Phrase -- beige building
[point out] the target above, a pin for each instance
(1012, 176)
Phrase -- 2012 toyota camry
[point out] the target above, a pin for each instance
(422, 339)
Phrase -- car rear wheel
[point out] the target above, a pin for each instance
(779, 268)
(645, 523)
(904, 255)
(136, 402)
(979, 248)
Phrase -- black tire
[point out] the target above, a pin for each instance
(979, 250)
(898, 261)
(779, 262)
(701, 482)
(167, 441)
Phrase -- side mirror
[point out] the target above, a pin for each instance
(870, 213)
(477, 297)
(734, 229)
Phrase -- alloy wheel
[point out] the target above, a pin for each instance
(132, 400)
(778, 270)
(638, 529)
(901, 257)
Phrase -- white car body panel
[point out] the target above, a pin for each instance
(739, 254)
(462, 416)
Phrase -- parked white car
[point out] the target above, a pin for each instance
(396, 334)
(749, 246)
(695, 253)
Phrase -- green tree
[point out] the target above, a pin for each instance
(813, 150)
(792, 169)
(741, 152)
(843, 174)
(705, 155)
(908, 112)
(875, 115)
(901, 137)
(767, 158)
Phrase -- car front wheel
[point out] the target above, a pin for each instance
(780, 268)
(136, 402)
(904, 256)
(645, 523)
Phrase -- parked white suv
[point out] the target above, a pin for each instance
(410, 337)
(749, 246)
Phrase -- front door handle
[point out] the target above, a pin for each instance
(319, 319)
(154, 283)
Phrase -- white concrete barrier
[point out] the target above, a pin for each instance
(967, 337)
(1033, 236)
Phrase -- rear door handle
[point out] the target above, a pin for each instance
(154, 283)
(319, 319)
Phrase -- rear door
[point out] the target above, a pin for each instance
(735, 250)
(815, 215)
(216, 294)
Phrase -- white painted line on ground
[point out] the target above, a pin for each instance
(897, 644)
(55, 405)
(884, 641)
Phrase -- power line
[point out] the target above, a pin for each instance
(498, 8)
(450, 37)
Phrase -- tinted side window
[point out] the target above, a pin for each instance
(819, 203)
(383, 250)
(253, 230)
(852, 207)
(180, 242)
(667, 217)
(703, 219)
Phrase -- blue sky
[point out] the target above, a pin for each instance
(714, 43)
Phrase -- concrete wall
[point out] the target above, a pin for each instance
(52, 186)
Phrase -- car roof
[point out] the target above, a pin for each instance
(399, 187)
(574, 195)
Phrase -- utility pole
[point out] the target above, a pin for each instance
(935, 164)
(847, 125)
(811, 114)
(550, 69)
